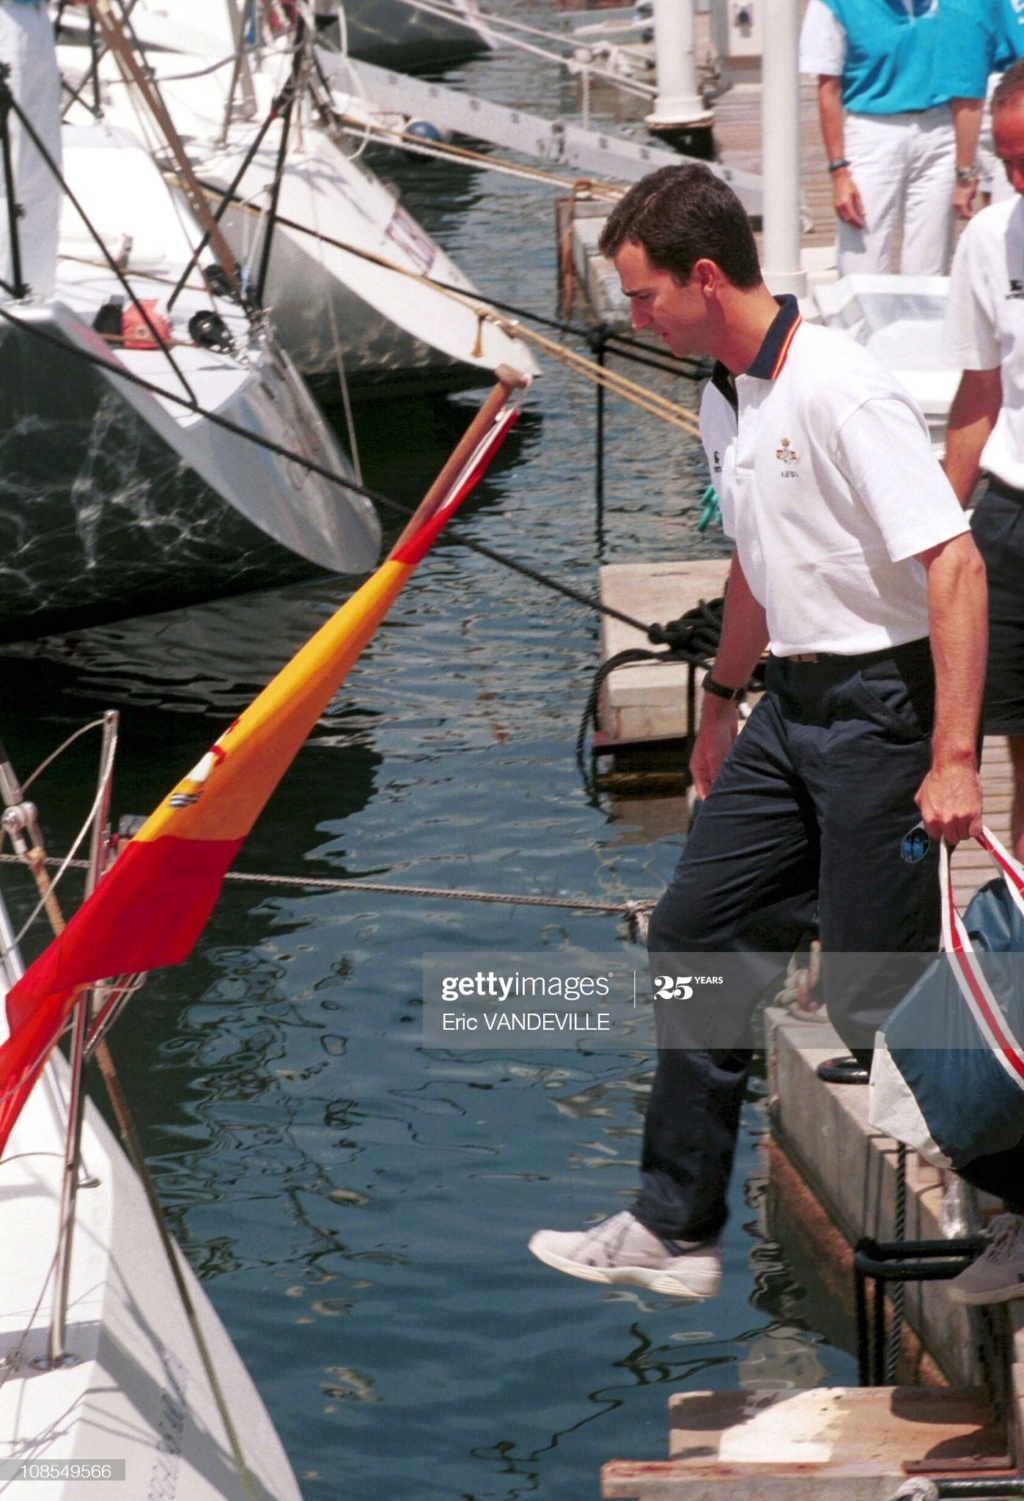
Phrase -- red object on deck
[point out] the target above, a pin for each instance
(137, 333)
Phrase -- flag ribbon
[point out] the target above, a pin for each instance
(151, 907)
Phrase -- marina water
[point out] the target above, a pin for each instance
(357, 1205)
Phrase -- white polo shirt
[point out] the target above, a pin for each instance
(985, 324)
(828, 483)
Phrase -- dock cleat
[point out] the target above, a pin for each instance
(998, 1273)
(621, 1250)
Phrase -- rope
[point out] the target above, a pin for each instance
(388, 135)
(693, 638)
(434, 893)
(898, 1296)
(620, 385)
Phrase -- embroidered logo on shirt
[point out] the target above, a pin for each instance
(716, 462)
(1016, 289)
(788, 457)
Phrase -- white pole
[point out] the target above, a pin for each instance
(675, 61)
(780, 132)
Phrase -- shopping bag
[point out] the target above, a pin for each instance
(947, 1077)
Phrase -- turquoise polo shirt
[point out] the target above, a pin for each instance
(977, 38)
(891, 55)
(1012, 33)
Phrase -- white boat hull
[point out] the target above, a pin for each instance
(356, 287)
(137, 1392)
(348, 286)
(112, 505)
(120, 496)
(900, 319)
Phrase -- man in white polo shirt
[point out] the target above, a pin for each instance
(855, 566)
(985, 338)
(27, 47)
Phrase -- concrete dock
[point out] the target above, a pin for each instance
(648, 700)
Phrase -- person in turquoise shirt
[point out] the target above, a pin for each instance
(887, 128)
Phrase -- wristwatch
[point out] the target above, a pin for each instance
(968, 174)
(735, 695)
(838, 164)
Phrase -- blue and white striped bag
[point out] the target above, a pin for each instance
(947, 1076)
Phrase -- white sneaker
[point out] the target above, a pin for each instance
(620, 1249)
(998, 1273)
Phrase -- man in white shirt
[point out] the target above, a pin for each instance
(855, 566)
(985, 338)
(27, 47)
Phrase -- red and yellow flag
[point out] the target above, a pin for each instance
(152, 906)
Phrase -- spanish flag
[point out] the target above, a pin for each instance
(150, 909)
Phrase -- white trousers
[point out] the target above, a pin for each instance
(26, 45)
(905, 170)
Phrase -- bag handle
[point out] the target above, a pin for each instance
(954, 934)
(972, 982)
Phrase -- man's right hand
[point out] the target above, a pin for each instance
(847, 200)
(719, 726)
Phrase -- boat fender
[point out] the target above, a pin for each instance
(426, 130)
(209, 330)
(108, 319)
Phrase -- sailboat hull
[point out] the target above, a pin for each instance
(396, 35)
(135, 1393)
(114, 503)
(355, 286)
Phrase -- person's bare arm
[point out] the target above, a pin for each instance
(743, 639)
(972, 417)
(950, 795)
(967, 128)
(845, 197)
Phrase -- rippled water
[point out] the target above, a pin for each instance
(358, 1206)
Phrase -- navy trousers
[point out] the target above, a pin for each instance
(803, 828)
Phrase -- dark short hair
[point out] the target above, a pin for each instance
(681, 215)
(1010, 87)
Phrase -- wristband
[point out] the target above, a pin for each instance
(734, 695)
(838, 164)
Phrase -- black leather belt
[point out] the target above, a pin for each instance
(853, 661)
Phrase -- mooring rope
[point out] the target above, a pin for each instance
(433, 893)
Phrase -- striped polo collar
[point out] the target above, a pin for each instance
(771, 357)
